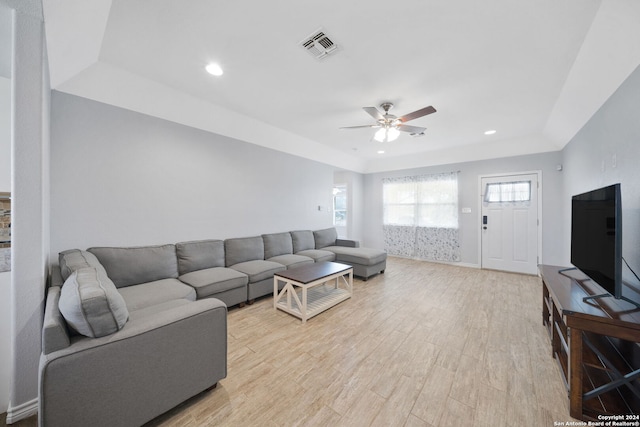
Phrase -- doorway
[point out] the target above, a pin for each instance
(340, 210)
(510, 231)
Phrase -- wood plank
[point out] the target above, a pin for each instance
(431, 402)
(491, 408)
(397, 408)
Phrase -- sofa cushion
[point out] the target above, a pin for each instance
(155, 310)
(91, 304)
(211, 281)
(147, 294)
(74, 259)
(199, 254)
(302, 240)
(243, 249)
(258, 270)
(318, 255)
(362, 256)
(324, 238)
(135, 265)
(292, 261)
(277, 244)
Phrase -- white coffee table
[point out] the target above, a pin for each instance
(315, 293)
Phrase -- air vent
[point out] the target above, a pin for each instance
(319, 45)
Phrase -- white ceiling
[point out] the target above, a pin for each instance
(535, 71)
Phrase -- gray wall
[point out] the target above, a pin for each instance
(125, 178)
(589, 164)
(469, 193)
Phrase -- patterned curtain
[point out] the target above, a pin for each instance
(421, 217)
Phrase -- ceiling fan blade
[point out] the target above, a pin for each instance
(418, 113)
(411, 129)
(374, 112)
(358, 127)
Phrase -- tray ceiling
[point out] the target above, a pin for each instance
(534, 71)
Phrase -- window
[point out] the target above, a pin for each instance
(421, 217)
(501, 192)
(422, 201)
(340, 205)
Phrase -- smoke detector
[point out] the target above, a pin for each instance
(319, 45)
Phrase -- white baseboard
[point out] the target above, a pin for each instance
(20, 412)
(458, 264)
(466, 264)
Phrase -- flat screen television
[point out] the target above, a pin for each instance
(596, 237)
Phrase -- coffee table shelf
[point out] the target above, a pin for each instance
(312, 289)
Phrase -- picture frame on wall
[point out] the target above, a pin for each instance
(5, 231)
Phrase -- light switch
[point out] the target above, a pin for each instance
(466, 210)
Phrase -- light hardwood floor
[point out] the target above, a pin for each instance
(422, 345)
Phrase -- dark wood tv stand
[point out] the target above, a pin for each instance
(596, 344)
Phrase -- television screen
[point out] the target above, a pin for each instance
(596, 237)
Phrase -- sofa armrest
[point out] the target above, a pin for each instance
(55, 335)
(151, 365)
(56, 276)
(348, 243)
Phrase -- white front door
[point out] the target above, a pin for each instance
(509, 223)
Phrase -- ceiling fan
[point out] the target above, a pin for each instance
(390, 125)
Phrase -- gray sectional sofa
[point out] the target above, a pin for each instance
(119, 353)
(131, 332)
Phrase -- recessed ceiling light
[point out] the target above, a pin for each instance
(214, 69)
(380, 151)
(490, 132)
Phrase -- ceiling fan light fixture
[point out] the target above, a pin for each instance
(214, 69)
(393, 134)
(390, 126)
(386, 134)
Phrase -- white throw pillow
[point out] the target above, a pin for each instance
(91, 304)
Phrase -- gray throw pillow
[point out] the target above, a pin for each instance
(73, 259)
(91, 304)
